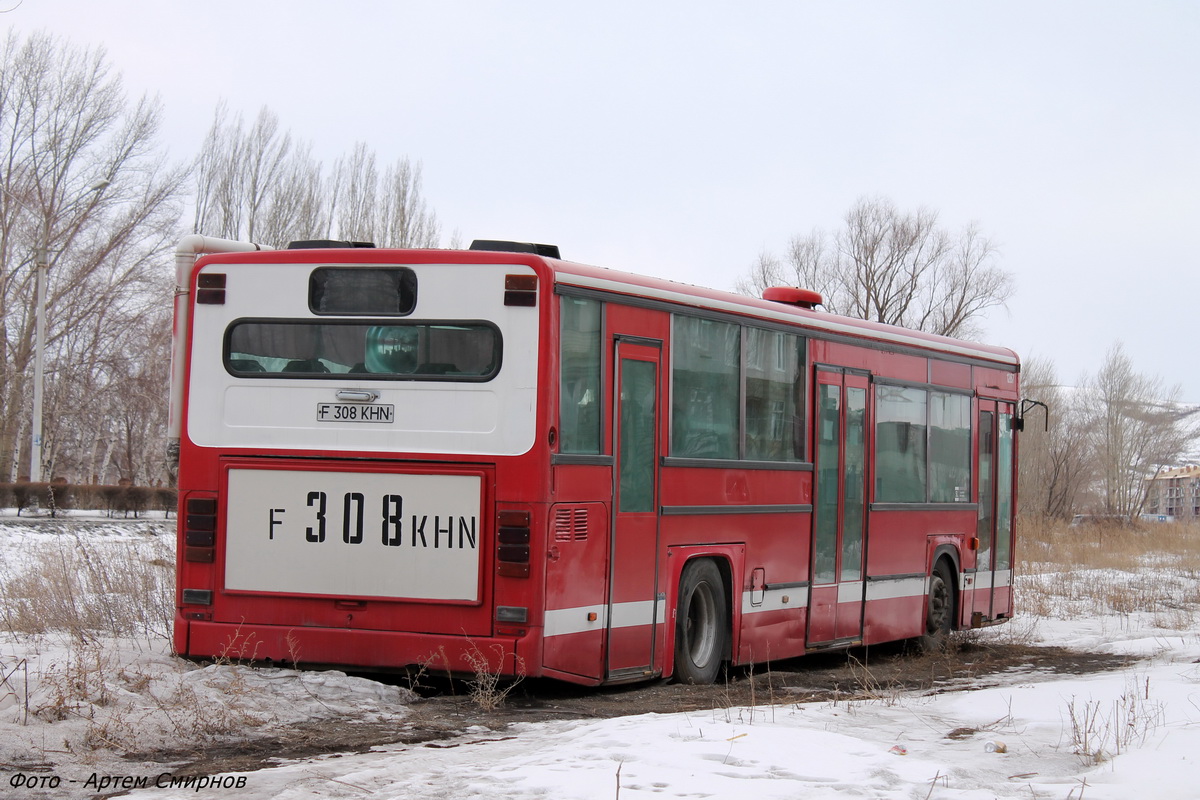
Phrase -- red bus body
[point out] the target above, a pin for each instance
(815, 475)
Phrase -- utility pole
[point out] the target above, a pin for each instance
(42, 265)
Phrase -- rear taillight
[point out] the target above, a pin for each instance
(200, 530)
(520, 290)
(210, 289)
(512, 544)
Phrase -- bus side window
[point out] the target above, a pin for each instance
(579, 384)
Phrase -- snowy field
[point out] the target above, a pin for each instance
(85, 680)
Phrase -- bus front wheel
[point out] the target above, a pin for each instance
(701, 623)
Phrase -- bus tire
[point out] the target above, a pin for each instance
(701, 623)
(939, 609)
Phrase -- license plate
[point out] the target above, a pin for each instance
(356, 412)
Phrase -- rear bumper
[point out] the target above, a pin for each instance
(356, 649)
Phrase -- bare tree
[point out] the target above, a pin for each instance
(354, 184)
(257, 183)
(1139, 429)
(404, 219)
(807, 266)
(896, 267)
(260, 184)
(1058, 462)
(110, 419)
(139, 450)
(82, 178)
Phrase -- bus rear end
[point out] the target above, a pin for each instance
(357, 470)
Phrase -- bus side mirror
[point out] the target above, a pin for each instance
(1019, 420)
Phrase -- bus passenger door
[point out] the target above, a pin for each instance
(835, 609)
(634, 609)
(992, 596)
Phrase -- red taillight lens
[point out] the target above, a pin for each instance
(520, 290)
(210, 289)
(512, 543)
(507, 570)
(511, 518)
(200, 530)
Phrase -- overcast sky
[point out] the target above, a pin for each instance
(681, 139)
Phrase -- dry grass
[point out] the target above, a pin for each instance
(1070, 572)
(118, 702)
(92, 589)
(488, 689)
(1048, 545)
(95, 590)
(1101, 731)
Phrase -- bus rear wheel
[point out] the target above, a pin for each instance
(701, 623)
(939, 613)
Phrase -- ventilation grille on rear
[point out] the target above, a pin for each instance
(570, 525)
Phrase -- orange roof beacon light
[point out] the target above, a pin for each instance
(801, 298)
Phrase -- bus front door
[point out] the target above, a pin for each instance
(634, 606)
(835, 607)
(992, 595)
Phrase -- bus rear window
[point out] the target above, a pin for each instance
(359, 290)
(440, 351)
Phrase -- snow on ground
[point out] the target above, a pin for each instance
(1142, 723)
(1132, 733)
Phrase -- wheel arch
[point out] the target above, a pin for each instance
(727, 559)
(949, 554)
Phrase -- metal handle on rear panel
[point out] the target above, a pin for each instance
(358, 395)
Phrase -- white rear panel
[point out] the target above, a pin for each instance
(353, 534)
(493, 417)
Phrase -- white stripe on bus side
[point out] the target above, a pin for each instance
(850, 592)
(564, 621)
(775, 600)
(897, 589)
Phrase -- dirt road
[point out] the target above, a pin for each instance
(446, 709)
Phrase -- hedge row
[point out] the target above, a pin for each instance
(113, 500)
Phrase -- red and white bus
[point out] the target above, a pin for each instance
(391, 458)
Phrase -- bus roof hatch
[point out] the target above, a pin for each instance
(544, 250)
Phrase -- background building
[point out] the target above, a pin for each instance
(1175, 493)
